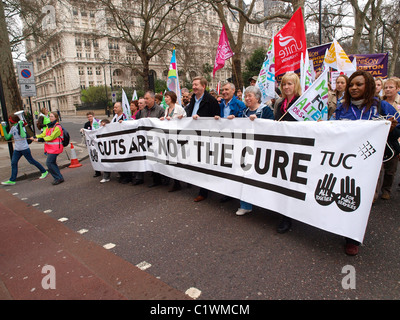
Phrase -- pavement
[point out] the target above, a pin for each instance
(31, 242)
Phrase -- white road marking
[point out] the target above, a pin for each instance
(194, 293)
(48, 211)
(35, 204)
(82, 231)
(109, 246)
(63, 219)
(143, 265)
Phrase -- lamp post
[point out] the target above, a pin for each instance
(320, 22)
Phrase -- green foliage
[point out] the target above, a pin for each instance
(254, 64)
(95, 95)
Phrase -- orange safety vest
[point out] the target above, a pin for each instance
(54, 146)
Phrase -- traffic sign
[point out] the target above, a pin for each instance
(25, 73)
(113, 97)
(28, 90)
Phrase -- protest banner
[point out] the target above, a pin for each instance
(321, 173)
(376, 63)
(313, 103)
(266, 78)
(317, 55)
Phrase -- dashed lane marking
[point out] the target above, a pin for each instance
(143, 265)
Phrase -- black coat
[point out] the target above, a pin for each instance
(278, 112)
(209, 106)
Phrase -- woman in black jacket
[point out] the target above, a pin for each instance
(291, 91)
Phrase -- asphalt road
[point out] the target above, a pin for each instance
(206, 246)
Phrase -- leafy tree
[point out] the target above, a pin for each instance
(95, 96)
(254, 64)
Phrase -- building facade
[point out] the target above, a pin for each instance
(83, 49)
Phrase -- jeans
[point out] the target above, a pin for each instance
(51, 163)
(245, 205)
(17, 154)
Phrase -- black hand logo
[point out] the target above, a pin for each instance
(324, 192)
(349, 197)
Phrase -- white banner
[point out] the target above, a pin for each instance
(313, 104)
(266, 78)
(321, 173)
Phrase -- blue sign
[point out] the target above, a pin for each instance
(26, 73)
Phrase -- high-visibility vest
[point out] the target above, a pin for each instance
(54, 146)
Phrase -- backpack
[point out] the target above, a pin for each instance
(65, 137)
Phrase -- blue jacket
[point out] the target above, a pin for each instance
(235, 105)
(263, 112)
(354, 113)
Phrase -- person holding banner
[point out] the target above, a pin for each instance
(119, 114)
(134, 106)
(291, 91)
(21, 148)
(390, 166)
(337, 95)
(360, 103)
(230, 105)
(174, 111)
(89, 125)
(202, 104)
(252, 98)
(151, 110)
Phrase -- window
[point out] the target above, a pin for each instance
(89, 71)
(80, 71)
(98, 71)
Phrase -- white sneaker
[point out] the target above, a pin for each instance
(104, 180)
(242, 212)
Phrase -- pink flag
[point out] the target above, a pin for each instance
(224, 51)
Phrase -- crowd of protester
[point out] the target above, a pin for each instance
(359, 96)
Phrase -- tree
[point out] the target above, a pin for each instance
(247, 14)
(148, 27)
(390, 22)
(254, 63)
(95, 96)
(12, 96)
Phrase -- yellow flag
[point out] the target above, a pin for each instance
(336, 58)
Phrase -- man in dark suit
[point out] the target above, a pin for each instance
(202, 104)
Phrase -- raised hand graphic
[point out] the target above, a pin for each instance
(349, 198)
(324, 192)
